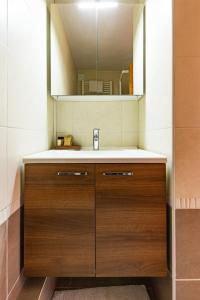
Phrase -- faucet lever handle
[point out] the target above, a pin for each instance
(96, 131)
(96, 139)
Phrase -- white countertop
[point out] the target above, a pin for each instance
(115, 155)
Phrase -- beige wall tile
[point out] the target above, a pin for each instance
(187, 244)
(82, 138)
(3, 262)
(187, 290)
(187, 156)
(118, 122)
(3, 167)
(110, 139)
(64, 117)
(187, 96)
(187, 24)
(14, 251)
(129, 116)
(141, 114)
(129, 139)
(104, 115)
(141, 139)
(106, 139)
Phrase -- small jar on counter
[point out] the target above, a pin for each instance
(60, 141)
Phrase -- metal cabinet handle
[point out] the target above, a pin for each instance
(72, 173)
(117, 173)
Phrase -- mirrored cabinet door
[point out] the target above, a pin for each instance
(115, 50)
(93, 49)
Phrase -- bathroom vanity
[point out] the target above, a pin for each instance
(95, 214)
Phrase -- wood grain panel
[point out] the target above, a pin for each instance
(48, 174)
(131, 222)
(59, 231)
(147, 179)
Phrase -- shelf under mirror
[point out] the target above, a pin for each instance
(95, 98)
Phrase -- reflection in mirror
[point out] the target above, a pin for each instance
(92, 48)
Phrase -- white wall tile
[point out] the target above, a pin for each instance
(27, 89)
(27, 97)
(155, 108)
(3, 167)
(3, 22)
(158, 64)
(20, 143)
(159, 141)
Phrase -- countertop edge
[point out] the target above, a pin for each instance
(95, 160)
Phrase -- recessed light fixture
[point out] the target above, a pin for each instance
(97, 4)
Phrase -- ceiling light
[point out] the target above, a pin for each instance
(97, 4)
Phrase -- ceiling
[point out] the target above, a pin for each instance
(100, 39)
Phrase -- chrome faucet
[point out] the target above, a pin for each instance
(96, 139)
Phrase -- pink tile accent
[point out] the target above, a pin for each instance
(187, 158)
(187, 244)
(16, 192)
(48, 289)
(187, 24)
(187, 203)
(3, 241)
(187, 95)
(16, 289)
(187, 290)
(14, 245)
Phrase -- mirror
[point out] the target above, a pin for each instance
(96, 49)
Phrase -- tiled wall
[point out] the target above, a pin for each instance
(155, 109)
(118, 122)
(187, 147)
(23, 122)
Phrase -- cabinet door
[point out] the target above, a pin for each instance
(59, 228)
(130, 220)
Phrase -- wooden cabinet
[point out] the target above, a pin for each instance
(101, 220)
(130, 220)
(59, 220)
